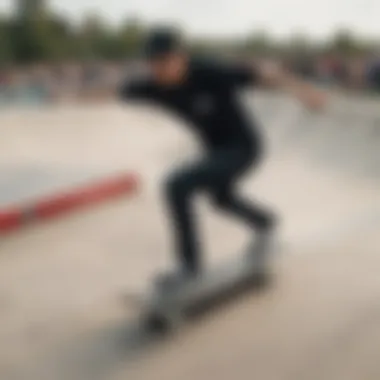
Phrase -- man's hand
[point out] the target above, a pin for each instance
(274, 75)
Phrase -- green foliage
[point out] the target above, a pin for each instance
(45, 37)
(5, 43)
(39, 39)
(259, 43)
(345, 43)
(42, 36)
(129, 37)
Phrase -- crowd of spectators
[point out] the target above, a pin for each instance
(40, 83)
(359, 73)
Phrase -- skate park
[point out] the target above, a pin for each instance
(64, 307)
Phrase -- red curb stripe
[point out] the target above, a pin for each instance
(83, 196)
(10, 220)
(68, 201)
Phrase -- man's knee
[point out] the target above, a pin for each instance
(221, 199)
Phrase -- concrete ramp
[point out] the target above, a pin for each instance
(63, 309)
(321, 321)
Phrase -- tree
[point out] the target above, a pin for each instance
(130, 36)
(259, 43)
(5, 43)
(41, 36)
(92, 36)
(299, 44)
(345, 43)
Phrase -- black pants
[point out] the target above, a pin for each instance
(217, 174)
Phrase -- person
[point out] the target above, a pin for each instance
(373, 73)
(204, 93)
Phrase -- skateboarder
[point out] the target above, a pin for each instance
(204, 93)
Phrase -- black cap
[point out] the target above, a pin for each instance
(160, 42)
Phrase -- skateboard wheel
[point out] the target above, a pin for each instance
(162, 323)
(262, 280)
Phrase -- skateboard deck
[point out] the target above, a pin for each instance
(168, 308)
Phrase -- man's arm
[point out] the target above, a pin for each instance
(274, 75)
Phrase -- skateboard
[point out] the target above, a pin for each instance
(166, 309)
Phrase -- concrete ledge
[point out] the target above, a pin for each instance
(51, 206)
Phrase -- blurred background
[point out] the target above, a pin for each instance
(83, 226)
(84, 43)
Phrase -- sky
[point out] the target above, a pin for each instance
(235, 17)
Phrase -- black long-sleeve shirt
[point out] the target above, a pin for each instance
(207, 99)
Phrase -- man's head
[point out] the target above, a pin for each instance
(166, 56)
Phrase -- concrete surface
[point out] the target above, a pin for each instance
(63, 309)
